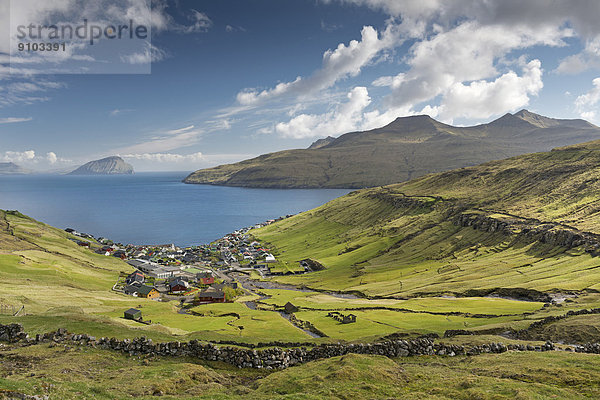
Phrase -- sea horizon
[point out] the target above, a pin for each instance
(151, 207)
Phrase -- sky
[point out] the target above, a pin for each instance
(220, 81)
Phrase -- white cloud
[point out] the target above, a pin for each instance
(586, 59)
(119, 111)
(483, 99)
(29, 157)
(18, 156)
(19, 90)
(342, 62)
(12, 120)
(466, 53)
(460, 49)
(165, 157)
(165, 141)
(231, 28)
(345, 117)
(200, 23)
(586, 103)
(180, 130)
(149, 54)
(52, 158)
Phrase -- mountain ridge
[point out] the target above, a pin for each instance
(407, 148)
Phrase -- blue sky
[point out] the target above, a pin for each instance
(234, 79)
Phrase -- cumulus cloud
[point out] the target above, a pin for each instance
(52, 157)
(165, 157)
(535, 13)
(468, 52)
(461, 51)
(342, 62)
(30, 157)
(588, 58)
(18, 156)
(345, 117)
(482, 99)
(585, 103)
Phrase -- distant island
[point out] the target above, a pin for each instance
(113, 165)
(9, 168)
(407, 148)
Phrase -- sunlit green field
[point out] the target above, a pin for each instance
(470, 305)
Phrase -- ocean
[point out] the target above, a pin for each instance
(151, 208)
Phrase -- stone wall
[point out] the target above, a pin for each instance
(272, 357)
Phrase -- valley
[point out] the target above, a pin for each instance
(504, 252)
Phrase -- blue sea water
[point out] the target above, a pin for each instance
(151, 208)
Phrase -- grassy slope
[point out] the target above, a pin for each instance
(380, 242)
(74, 373)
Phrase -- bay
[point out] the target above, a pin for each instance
(151, 208)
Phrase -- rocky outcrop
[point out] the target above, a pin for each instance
(532, 231)
(399, 200)
(107, 166)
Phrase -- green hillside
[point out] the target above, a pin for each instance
(63, 285)
(407, 148)
(427, 254)
(532, 213)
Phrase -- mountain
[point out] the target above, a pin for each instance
(9, 168)
(321, 142)
(407, 148)
(107, 166)
(530, 223)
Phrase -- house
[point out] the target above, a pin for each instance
(134, 277)
(205, 278)
(290, 308)
(178, 286)
(211, 296)
(147, 292)
(120, 254)
(173, 270)
(151, 269)
(132, 290)
(133, 314)
(270, 258)
(160, 273)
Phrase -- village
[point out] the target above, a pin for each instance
(192, 275)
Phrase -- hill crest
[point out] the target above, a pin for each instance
(113, 165)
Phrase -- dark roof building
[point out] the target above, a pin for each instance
(135, 277)
(132, 289)
(134, 314)
(290, 308)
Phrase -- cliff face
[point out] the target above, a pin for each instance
(107, 166)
